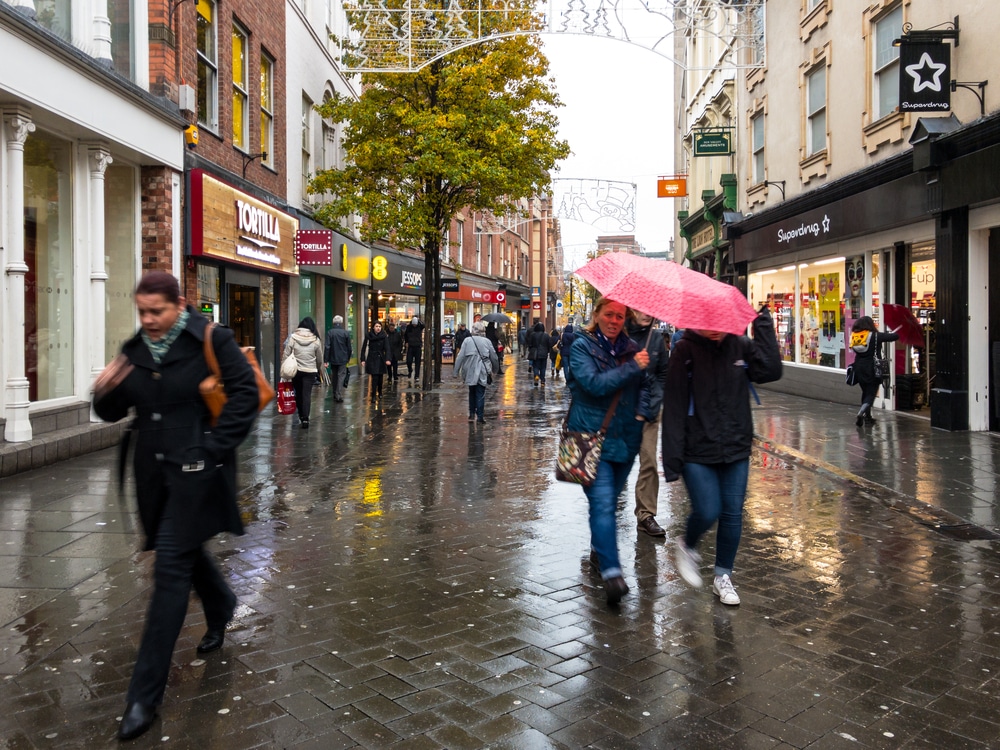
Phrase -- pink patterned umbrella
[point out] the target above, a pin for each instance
(670, 292)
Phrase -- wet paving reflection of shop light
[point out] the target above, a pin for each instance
(372, 495)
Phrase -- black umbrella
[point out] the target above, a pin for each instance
(495, 317)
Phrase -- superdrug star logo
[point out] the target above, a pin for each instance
(926, 74)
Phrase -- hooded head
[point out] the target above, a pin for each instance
(568, 328)
(539, 327)
(310, 325)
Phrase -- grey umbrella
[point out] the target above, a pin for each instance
(495, 317)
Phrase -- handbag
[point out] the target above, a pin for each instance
(580, 452)
(286, 398)
(487, 365)
(289, 367)
(212, 388)
(851, 377)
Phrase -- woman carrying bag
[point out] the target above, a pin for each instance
(375, 354)
(607, 376)
(476, 360)
(305, 345)
(866, 341)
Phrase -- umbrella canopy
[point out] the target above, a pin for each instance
(899, 316)
(495, 317)
(670, 292)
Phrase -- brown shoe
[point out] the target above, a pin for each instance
(615, 588)
(651, 527)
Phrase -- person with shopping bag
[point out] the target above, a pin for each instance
(305, 346)
(338, 353)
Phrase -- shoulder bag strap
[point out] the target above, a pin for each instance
(607, 417)
(213, 363)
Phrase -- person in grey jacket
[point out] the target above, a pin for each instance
(708, 436)
(338, 353)
(305, 344)
(647, 485)
(476, 359)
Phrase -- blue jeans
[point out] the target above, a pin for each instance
(602, 497)
(538, 367)
(477, 397)
(717, 493)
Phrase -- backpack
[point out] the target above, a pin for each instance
(861, 341)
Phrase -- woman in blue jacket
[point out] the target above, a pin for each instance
(605, 362)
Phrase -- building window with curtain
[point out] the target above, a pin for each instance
(816, 111)
(241, 97)
(267, 109)
(885, 84)
(208, 66)
(757, 133)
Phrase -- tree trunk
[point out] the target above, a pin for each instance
(432, 336)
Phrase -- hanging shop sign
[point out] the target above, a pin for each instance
(449, 285)
(712, 141)
(672, 187)
(314, 247)
(229, 225)
(925, 76)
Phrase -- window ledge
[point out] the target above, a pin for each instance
(884, 131)
(814, 166)
(756, 194)
(814, 20)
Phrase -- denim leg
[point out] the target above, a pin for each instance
(472, 400)
(733, 488)
(480, 399)
(702, 482)
(602, 497)
(172, 574)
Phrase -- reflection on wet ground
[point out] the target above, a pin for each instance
(412, 580)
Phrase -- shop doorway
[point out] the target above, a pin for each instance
(243, 309)
(994, 331)
(914, 387)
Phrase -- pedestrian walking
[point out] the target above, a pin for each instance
(538, 352)
(522, 344)
(413, 337)
(494, 338)
(475, 361)
(869, 364)
(565, 345)
(185, 472)
(708, 434)
(338, 352)
(647, 484)
(461, 334)
(554, 336)
(607, 375)
(375, 355)
(394, 340)
(305, 345)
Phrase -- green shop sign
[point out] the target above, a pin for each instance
(714, 142)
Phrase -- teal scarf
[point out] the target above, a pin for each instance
(159, 348)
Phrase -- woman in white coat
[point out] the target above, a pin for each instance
(475, 361)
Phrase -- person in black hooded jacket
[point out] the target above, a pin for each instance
(375, 355)
(708, 435)
(538, 351)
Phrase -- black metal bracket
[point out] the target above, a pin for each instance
(977, 88)
(780, 184)
(248, 158)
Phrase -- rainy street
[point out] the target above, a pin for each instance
(412, 580)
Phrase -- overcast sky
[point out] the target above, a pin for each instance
(619, 121)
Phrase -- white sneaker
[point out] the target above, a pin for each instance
(723, 588)
(687, 562)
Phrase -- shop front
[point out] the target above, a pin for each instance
(241, 257)
(397, 287)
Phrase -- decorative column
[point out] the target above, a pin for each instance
(102, 32)
(99, 159)
(17, 128)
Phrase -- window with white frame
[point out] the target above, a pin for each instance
(816, 111)
(757, 133)
(489, 253)
(267, 109)
(446, 246)
(459, 236)
(479, 252)
(885, 65)
(208, 66)
(307, 168)
(241, 97)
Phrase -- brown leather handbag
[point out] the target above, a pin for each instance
(213, 389)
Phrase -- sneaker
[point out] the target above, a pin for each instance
(536, 380)
(723, 588)
(687, 562)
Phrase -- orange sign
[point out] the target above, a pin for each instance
(674, 188)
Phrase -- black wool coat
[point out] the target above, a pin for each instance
(182, 463)
(375, 352)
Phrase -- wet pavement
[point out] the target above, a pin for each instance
(411, 580)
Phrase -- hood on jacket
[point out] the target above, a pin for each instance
(304, 336)
(539, 327)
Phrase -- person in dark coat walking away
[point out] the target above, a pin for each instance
(413, 337)
(538, 352)
(554, 338)
(647, 484)
(185, 472)
(522, 342)
(565, 345)
(606, 364)
(708, 435)
(866, 341)
(394, 339)
(305, 344)
(494, 339)
(475, 360)
(375, 354)
(338, 353)
(461, 334)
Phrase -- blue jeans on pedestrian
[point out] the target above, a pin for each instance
(477, 399)
(538, 367)
(602, 497)
(717, 493)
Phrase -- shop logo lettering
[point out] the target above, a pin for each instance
(815, 229)
(258, 222)
(412, 280)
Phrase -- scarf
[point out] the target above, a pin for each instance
(159, 348)
(616, 348)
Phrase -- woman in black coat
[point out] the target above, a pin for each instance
(539, 344)
(375, 353)
(865, 348)
(185, 472)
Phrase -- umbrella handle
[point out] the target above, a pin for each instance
(650, 334)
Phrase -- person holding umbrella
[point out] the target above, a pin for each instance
(607, 375)
(707, 437)
(869, 366)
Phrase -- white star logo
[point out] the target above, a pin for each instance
(923, 68)
(826, 223)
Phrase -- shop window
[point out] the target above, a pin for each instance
(777, 288)
(49, 300)
(267, 109)
(120, 245)
(821, 294)
(208, 66)
(241, 99)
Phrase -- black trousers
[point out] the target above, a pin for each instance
(413, 361)
(303, 382)
(394, 368)
(869, 391)
(174, 573)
